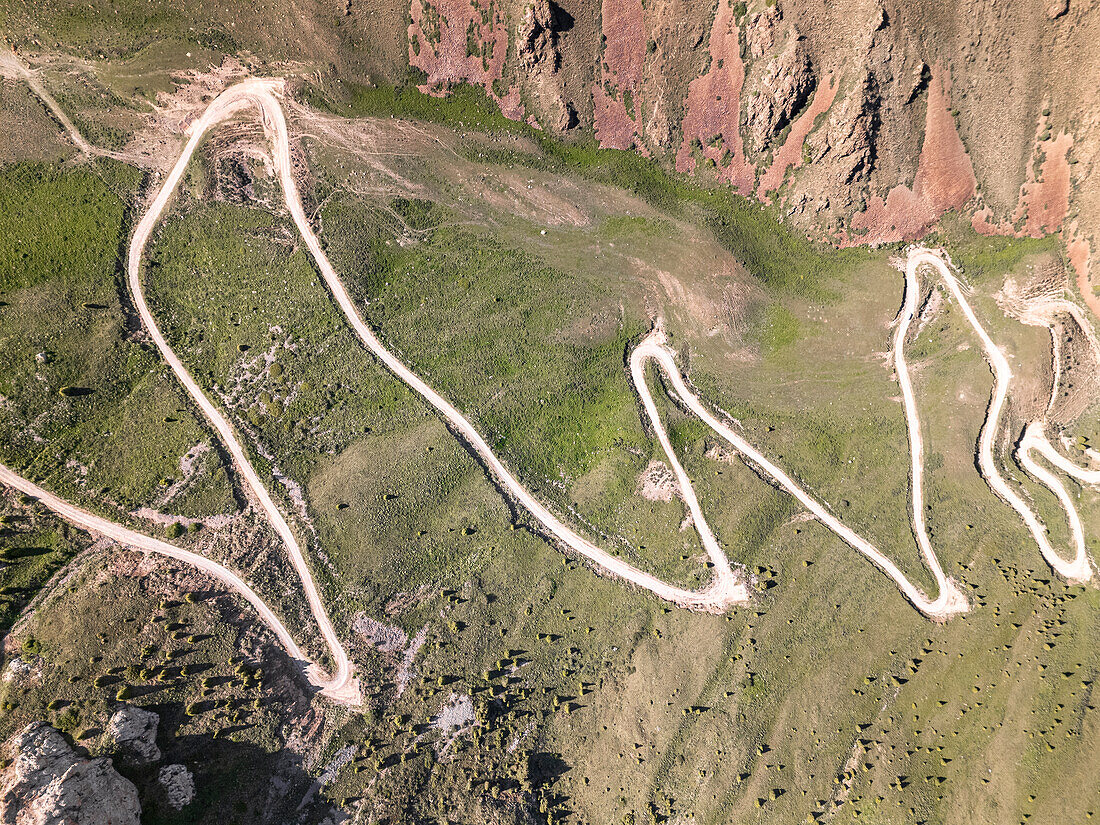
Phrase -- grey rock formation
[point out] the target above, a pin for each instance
(49, 784)
(536, 40)
(178, 784)
(537, 48)
(134, 732)
(847, 141)
(784, 89)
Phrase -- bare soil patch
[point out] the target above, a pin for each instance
(712, 110)
(657, 483)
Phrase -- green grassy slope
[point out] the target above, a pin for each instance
(829, 698)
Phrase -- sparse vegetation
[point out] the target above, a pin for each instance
(576, 699)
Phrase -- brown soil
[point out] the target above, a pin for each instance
(945, 178)
(712, 110)
(457, 41)
(790, 153)
(620, 74)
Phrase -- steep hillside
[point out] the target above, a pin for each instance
(865, 119)
(761, 167)
(868, 119)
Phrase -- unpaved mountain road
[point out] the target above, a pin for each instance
(1080, 568)
(131, 538)
(725, 590)
(728, 586)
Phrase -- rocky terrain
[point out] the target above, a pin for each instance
(869, 119)
(48, 783)
(865, 120)
(514, 266)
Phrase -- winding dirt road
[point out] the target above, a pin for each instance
(130, 538)
(727, 587)
(1077, 570)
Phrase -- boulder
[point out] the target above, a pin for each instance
(178, 784)
(48, 783)
(134, 732)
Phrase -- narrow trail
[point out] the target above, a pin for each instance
(728, 586)
(102, 527)
(12, 66)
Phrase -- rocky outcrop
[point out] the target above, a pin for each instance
(784, 89)
(847, 143)
(760, 32)
(178, 784)
(134, 732)
(1056, 8)
(48, 783)
(538, 52)
(536, 39)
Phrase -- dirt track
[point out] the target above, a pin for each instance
(130, 538)
(1078, 570)
(727, 588)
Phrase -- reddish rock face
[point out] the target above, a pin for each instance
(461, 41)
(619, 88)
(1044, 201)
(712, 111)
(1044, 198)
(614, 128)
(624, 50)
(945, 179)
